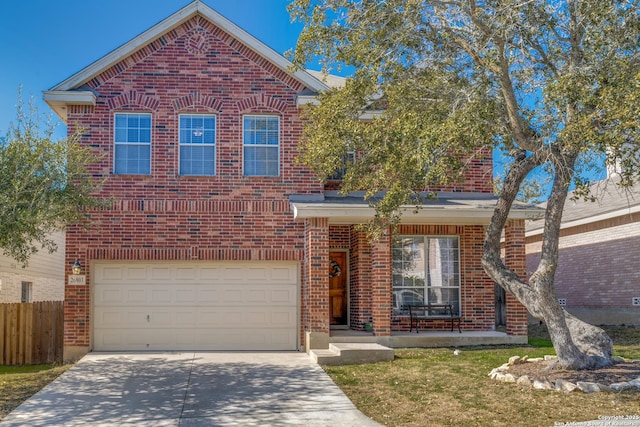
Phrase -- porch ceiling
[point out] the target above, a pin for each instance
(446, 208)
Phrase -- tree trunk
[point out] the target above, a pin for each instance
(577, 344)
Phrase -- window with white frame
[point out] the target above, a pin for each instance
(197, 144)
(261, 141)
(426, 270)
(348, 159)
(27, 288)
(132, 139)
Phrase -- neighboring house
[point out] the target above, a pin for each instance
(598, 275)
(217, 239)
(41, 280)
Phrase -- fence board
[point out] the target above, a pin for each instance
(31, 333)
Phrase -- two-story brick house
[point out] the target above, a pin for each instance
(216, 239)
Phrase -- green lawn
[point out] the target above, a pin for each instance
(432, 387)
(429, 387)
(18, 383)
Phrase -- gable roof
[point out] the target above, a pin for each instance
(72, 92)
(611, 201)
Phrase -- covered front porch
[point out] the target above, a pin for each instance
(355, 347)
(427, 339)
(433, 257)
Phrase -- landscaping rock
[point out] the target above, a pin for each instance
(514, 360)
(509, 378)
(495, 372)
(588, 387)
(543, 384)
(565, 386)
(604, 388)
(617, 359)
(621, 386)
(502, 373)
(524, 380)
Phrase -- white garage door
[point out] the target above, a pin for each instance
(195, 306)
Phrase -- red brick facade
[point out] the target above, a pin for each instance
(166, 216)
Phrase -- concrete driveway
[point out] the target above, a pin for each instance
(191, 389)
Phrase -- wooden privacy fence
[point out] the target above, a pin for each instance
(31, 333)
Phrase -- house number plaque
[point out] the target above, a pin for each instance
(77, 279)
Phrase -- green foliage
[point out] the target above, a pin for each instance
(44, 184)
(442, 82)
(532, 190)
(554, 84)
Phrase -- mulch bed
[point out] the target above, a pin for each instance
(549, 369)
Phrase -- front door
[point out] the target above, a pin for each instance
(338, 288)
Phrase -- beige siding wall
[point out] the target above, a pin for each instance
(45, 271)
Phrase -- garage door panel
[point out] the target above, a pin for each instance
(209, 273)
(109, 295)
(135, 273)
(162, 273)
(208, 296)
(283, 296)
(186, 296)
(196, 306)
(254, 274)
(178, 339)
(283, 318)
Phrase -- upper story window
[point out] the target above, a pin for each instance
(261, 140)
(197, 144)
(348, 159)
(132, 138)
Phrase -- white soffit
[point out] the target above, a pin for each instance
(59, 99)
(340, 213)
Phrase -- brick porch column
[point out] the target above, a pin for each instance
(316, 283)
(76, 311)
(360, 289)
(381, 288)
(516, 260)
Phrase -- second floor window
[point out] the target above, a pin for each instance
(261, 142)
(197, 144)
(347, 161)
(132, 138)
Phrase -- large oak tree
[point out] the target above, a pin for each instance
(555, 84)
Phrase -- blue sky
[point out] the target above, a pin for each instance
(42, 42)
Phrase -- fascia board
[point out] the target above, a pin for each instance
(174, 21)
(339, 213)
(76, 97)
(58, 100)
(302, 100)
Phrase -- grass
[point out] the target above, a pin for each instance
(18, 383)
(428, 387)
(432, 387)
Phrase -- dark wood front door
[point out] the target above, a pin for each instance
(338, 288)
